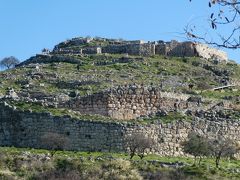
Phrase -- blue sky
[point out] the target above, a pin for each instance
(27, 26)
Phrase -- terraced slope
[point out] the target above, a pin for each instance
(48, 79)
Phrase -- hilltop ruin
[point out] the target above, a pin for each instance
(98, 91)
(138, 48)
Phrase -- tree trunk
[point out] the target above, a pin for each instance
(195, 158)
(141, 156)
(132, 152)
(52, 152)
(199, 160)
(217, 161)
(131, 155)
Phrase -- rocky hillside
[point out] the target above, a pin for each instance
(59, 82)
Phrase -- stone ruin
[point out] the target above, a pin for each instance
(127, 102)
(25, 129)
(138, 48)
(130, 102)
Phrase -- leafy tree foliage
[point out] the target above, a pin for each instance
(9, 62)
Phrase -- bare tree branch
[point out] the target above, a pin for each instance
(223, 14)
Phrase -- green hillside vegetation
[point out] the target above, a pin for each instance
(38, 164)
(150, 71)
(50, 78)
(96, 73)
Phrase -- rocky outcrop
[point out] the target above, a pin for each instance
(210, 53)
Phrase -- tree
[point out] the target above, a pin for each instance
(197, 146)
(138, 144)
(9, 62)
(223, 14)
(54, 142)
(221, 147)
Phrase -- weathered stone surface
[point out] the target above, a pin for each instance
(25, 129)
(129, 102)
(172, 48)
(11, 94)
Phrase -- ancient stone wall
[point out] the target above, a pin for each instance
(190, 49)
(92, 50)
(133, 103)
(92, 104)
(146, 49)
(25, 129)
(160, 49)
(114, 49)
(172, 48)
(129, 102)
(185, 49)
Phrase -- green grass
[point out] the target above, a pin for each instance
(18, 165)
(221, 94)
(225, 163)
(151, 70)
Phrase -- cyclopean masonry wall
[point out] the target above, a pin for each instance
(129, 102)
(25, 129)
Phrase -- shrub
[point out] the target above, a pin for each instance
(196, 146)
(222, 147)
(169, 175)
(64, 165)
(138, 143)
(115, 169)
(54, 142)
(58, 174)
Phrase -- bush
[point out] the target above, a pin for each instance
(138, 143)
(54, 142)
(220, 147)
(196, 146)
(57, 174)
(12, 163)
(116, 170)
(185, 60)
(64, 165)
(168, 174)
